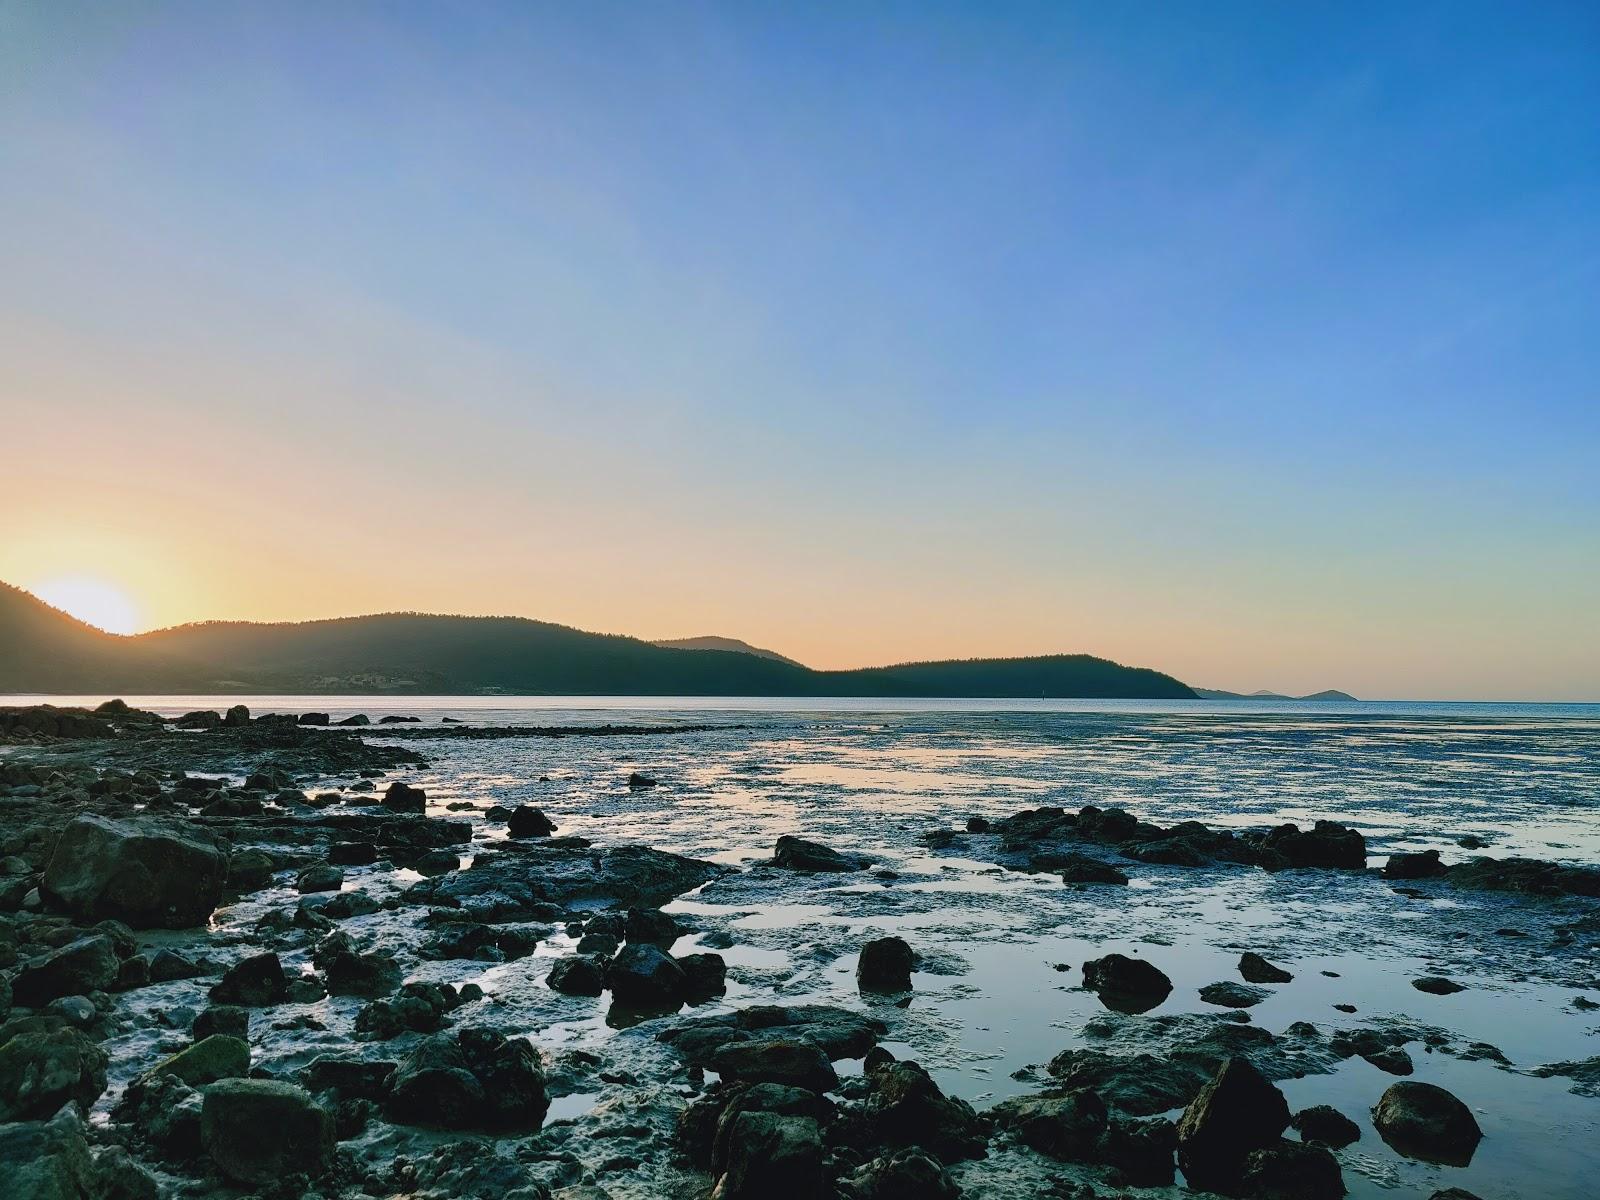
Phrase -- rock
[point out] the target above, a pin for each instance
(236, 716)
(48, 1160)
(351, 973)
(166, 967)
(526, 821)
(88, 964)
(402, 798)
(221, 1018)
(320, 877)
(1237, 1112)
(1530, 875)
(1292, 1171)
(471, 1079)
(419, 1008)
(798, 854)
(1229, 994)
(1065, 1127)
(42, 1068)
(578, 975)
(1124, 984)
(839, 1032)
(705, 976)
(906, 1108)
(1327, 844)
(637, 781)
(149, 874)
(437, 862)
(77, 1011)
(791, 1062)
(1425, 865)
(650, 925)
(773, 1157)
(1423, 1121)
(885, 966)
(120, 1178)
(351, 1078)
(644, 976)
(254, 982)
(259, 1131)
(1437, 985)
(1080, 868)
(1392, 1059)
(353, 854)
(356, 719)
(1255, 969)
(1455, 1193)
(220, 1056)
(1141, 1150)
(314, 718)
(250, 871)
(906, 1174)
(1326, 1126)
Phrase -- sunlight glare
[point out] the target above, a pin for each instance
(91, 600)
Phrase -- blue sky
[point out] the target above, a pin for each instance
(1254, 342)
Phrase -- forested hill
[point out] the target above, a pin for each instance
(43, 650)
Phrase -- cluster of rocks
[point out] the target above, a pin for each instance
(629, 954)
(781, 1122)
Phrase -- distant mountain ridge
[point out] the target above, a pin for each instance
(45, 650)
(732, 645)
(1330, 694)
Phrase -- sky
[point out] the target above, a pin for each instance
(1256, 343)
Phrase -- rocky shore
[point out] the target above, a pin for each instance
(247, 955)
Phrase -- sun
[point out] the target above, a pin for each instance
(93, 601)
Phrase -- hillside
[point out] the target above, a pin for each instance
(732, 645)
(43, 650)
(1330, 695)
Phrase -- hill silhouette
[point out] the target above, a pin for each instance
(45, 650)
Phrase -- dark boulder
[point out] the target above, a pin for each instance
(773, 1157)
(236, 716)
(1423, 1121)
(349, 972)
(526, 821)
(259, 1131)
(578, 975)
(649, 925)
(48, 1160)
(705, 976)
(319, 877)
(1237, 1112)
(636, 781)
(791, 1062)
(645, 976)
(1080, 868)
(402, 798)
(1255, 969)
(1292, 1171)
(906, 1108)
(254, 982)
(313, 718)
(221, 1018)
(1066, 1127)
(146, 873)
(906, 1174)
(1229, 994)
(798, 854)
(1438, 985)
(472, 1079)
(43, 1068)
(350, 1078)
(1326, 1126)
(1425, 865)
(1129, 985)
(885, 965)
(88, 964)
(1327, 844)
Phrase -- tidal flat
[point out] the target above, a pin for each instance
(652, 991)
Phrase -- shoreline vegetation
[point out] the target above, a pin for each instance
(46, 651)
